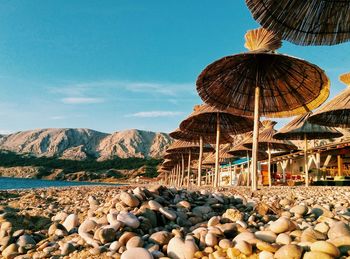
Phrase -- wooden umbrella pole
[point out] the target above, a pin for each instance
(216, 179)
(178, 175)
(255, 139)
(269, 165)
(248, 165)
(200, 160)
(183, 170)
(189, 169)
(305, 163)
(230, 171)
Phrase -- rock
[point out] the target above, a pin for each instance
(106, 234)
(288, 252)
(211, 239)
(225, 243)
(169, 214)
(71, 221)
(184, 204)
(26, 241)
(281, 225)
(93, 202)
(233, 215)
(317, 255)
(299, 209)
(322, 227)
(341, 241)
(177, 248)
(124, 238)
(135, 241)
(10, 252)
(154, 205)
(161, 237)
(266, 235)
(245, 236)
(115, 245)
(128, 219)
(283, 239)
(136, 253)
(213, 221)
(201, 210)
(60, 216)
(325, 247)
(129, 199)
(244, 247)
(319, 210)
(263, 246)
(67, 248)
(265, 255)
(337, 230)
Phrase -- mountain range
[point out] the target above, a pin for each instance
(79, 144)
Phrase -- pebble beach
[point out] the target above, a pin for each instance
(160, 222)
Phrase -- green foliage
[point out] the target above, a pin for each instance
(11, 159)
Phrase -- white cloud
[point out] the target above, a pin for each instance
(154, 114)
(82, 100)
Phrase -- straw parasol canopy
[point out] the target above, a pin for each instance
(209, 121)
(301, 129)
(242, 151)
(224, 156)
(267, 140)
(183, 147)
(190, 136)
(203, 122)
(311, 22)
(336, 112)
(262, 82)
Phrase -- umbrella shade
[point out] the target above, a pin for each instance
(288, 86)
(169, 163)
(188, 136)
(203, 122)
(267, 140)
(241, 151)
(311, 22)
(180, 146)
(300, 128)
(336, 112)
(178, 156)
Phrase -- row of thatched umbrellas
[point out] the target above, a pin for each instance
(261, 82)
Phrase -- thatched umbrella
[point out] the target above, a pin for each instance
(186, 147)
(209, 121)
(188, 136)
(310, 22)
(301, 129)
(336, 112)
(268, 142)
(262, 82)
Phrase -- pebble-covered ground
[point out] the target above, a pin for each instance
(159, 222)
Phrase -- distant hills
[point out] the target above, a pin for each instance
(80, 144)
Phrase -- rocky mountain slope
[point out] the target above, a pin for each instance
(79, 144)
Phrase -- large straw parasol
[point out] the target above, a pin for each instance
(209, 121)
(301, 129)
(268, 142)
(335, 113)
(262, 82)
(186, 147)
(304, 22)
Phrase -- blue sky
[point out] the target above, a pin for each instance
(118, 64)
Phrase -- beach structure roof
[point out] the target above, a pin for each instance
(300, 127)
(188, 136)
(310, 22)
(180, 146)
(336, 112)
(288, 86)
(266, 139)
(242, 151)
(169, 163)
(178, 156)
(203, 122)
